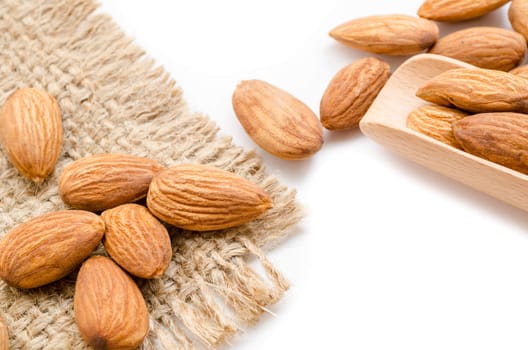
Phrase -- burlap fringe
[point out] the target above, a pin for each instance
(114, 99)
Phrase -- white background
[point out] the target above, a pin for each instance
(390, 255)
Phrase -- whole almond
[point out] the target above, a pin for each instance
(49, 247)
(278, 122)
(457, 10)
(4, 335)
(109, 309)
(105, 181)
(203, 198)
(31, 132)
(477, 90)
(499, 137)
(484, 47)
(136, 240)
(351, 92)
(521, 71)
(518, 15)
(388, 34)
(435, 122)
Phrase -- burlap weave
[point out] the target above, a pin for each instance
(114, 99)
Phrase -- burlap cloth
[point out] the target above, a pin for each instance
(114, 99)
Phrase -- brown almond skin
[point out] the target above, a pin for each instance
(457, 10)
(31, 132)
(477, 90)
(49, 247)
(277, 121)
(484, 47)
(518, 15)
(388, 34)
(109, 309)
(136, 240)
(4, 335)
(499, 137)
(351, 92)
(101, 182)
(204, 198)
(521, 71)
(435, 122)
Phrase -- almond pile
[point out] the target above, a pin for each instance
(47, 248)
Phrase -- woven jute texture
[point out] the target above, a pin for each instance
(115, 99)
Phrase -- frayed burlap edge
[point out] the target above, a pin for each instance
(114, 99)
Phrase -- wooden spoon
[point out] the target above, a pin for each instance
(385, 123)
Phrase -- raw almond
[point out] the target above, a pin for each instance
(4, 335)
(388, 34)
(477, 90)
(484, 47)
(351, 92)
(203, 198)
(435, 122)
(31, 132)
(136, 240)
(109, 309)
(499, 137)
(105, 181)
(278, 122)
(49, 247)
(457, 10)
(521, 71)
(518, 15)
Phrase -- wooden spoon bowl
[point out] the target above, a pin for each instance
(385, 123)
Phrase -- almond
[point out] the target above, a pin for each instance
(136, 240)
(435, 122)
(278, 122)
(49, 247)
(499, 137)
(477, 90)
(521, 71)
(484, 47)
(351, 92)
(203, 198)
(518, 15)
(109, 308)
(457, 10)
(105, 181)
(388, 34)
(31, 132)
(4, 335)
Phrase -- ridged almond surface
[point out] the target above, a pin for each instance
(477, 90)
(435, 122)
(49, 247)
(105, 181)
(521, 71)
(4, 335)
(203, 198)
(31, 132)
(518, 15)
(484, 47)
(277, 121)
(351, 92)
(388, 34)
(499, 137)
(109, 309)
(136, 240)
(457, 10)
